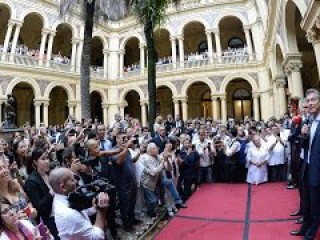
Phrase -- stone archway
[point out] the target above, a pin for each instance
(62, 44)
(30, 34)
(24, 96)
(164, 101)
(199, 101)
(96, 106)
(132, 54)
(194, 37)
(58, 106)
(4, 19)
(133, 108)
(239, 99)
(97, 53)
(163, 45)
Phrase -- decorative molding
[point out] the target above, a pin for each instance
(4, 82)
(43, 84)
(179, 85)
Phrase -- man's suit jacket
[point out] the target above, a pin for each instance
(314, 160)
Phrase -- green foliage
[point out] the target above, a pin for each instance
(151, 10)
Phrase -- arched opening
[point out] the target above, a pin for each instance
(4, 18)
(231, 33)
(239, 99)
(62, 44)
(199, 101)
(194, 36)
(133, 108)
(132, 55)
(163, 46)
(24, 95)
(30, 35)
(164, 101)
(297, 42)
(97, 53)
(58, 107)
(96, 106)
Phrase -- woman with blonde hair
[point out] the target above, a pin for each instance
(158, 123)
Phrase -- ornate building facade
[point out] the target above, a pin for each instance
(216, 58)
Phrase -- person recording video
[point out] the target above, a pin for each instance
(73, 224)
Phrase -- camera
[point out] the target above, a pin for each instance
(135, 141)
(82, 198)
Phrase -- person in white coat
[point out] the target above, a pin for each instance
(257, 158)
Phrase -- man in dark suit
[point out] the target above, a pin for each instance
(179, 124)
(160, 139)
(311, 173)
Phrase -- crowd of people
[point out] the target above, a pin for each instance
(23, 50)
(41, 169)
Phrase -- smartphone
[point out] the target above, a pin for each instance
(42, 230)
(27, 211)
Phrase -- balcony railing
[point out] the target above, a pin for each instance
(97, 73)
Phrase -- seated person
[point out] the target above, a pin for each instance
(72, 224)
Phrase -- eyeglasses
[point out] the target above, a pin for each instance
(9, 209)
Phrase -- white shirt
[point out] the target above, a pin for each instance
(233, 146)
(277, 154)
(205, 160)
(72, 224)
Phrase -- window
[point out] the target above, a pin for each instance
(236, 42)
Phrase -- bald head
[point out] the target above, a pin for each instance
(57, 177)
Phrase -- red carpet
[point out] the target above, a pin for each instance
(236, 212)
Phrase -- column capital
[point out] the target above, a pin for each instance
(144, 102)
(293, 66)
(209, 31)
(45, 31)
(122, 104)
(18, 23)
(72, 103)
(11, 23)
(180, 37)
(105, 105)
(142, 45)
(223, 97)
(246, 28)
(37, 103)
(173, 38)
(311, 36)
(75, 40)
(122, 51)
(255, 94)
(216, 31)
(180, 98)
(105, 51)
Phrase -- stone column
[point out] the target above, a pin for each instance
(176, 107)
(210, 48)
(292, 68)
(113, 100)
(105, 65)
(312, 38)
(43, 45)
(256, 108)
(181, 51)
(50, 45)
(249, 42)
(218, 44)
(223, 109)
(46, 113)
(264, 88)
(184, 109)
(113, 59)
(75, 42)
(79, 54)
(258, 39)
(173, 51)
(275, 99)
(105, 107)
(282, 102)
(215, 109)
(121, 65)
(15, 40)
(143, 113)
(37, 106)
(142, 57)
(7, 38)
(121, 107)
(71, 106)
